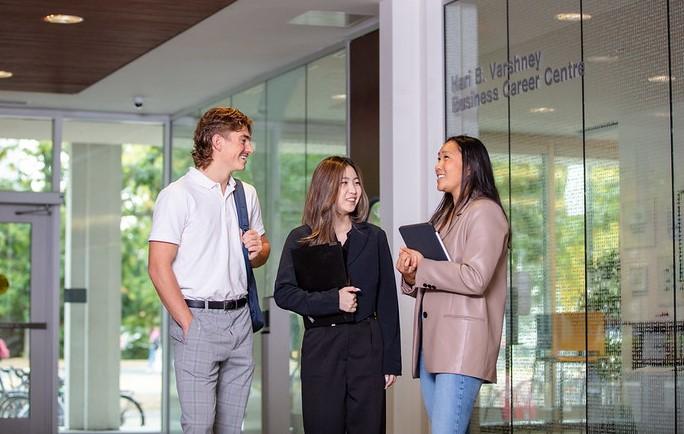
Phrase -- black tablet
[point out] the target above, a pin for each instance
(424, 238)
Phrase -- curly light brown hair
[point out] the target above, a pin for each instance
(217, 120)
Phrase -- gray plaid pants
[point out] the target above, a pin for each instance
(214, 367)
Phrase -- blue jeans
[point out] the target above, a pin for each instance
(449, 400)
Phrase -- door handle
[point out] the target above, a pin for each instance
(41, 210)
(23, 325)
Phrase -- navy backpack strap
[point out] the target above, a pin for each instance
(252, 294)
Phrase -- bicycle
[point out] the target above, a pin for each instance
(14, 403)
(14, 384)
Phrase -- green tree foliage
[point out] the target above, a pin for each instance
(142, 180)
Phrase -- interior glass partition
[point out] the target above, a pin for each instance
(628, 103)
(286, 107)
(112, 173)
(252, 102)
(579, 113)
(326, 107)
(676, 44)
(300, 117)
(182, 131)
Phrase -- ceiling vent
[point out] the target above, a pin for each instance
(329, 19)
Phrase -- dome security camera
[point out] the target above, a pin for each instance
(138, 102)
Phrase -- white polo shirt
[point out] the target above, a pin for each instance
(194, 214)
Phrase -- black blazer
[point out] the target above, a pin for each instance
(370, 268)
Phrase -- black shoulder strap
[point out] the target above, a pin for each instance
(241, 205)
(252, 294)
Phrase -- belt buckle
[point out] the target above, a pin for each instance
(227, 304)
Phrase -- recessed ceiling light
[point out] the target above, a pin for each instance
(542, 110)
(602, 59)
(62, 19)
(661, 114)
(572, 16)
(328, 19)
(660, 79)
(339, 97)
(5, 74)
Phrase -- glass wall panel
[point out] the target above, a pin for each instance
(252, 102)
(287, 167)
(112, 174)
(300, 117)
(326, 106)
(629, 221)
(475, 105)
(677, 87)
(182, 132)
(594, 183)
(25, 154)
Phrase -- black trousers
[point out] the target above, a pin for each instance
(342, 379)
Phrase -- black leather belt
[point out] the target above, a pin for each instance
(223, 305)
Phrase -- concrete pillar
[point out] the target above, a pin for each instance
(93, 262)
(411, 131)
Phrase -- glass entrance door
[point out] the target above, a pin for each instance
(27, 322)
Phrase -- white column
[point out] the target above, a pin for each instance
(93, 261)
(411, 131)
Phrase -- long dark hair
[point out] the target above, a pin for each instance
(319, 208)
(477, 180)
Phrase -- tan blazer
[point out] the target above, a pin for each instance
(463, 299)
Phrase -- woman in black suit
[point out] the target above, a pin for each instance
(346, 363)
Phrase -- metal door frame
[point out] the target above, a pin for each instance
(44, 298)
(54, 199)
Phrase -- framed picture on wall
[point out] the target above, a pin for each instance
(637, 279)
(639, 223)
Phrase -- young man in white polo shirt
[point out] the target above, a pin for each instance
(197, 265)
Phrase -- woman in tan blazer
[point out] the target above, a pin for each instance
(459, 303)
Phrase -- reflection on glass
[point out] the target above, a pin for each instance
(677, 117)
(583, 150)
(326, 102)
(15, 306)
(287, 163)
(252, 102)
(629, 221)
(299, 119)
(182, 131)
(25, 155)
(112, 172)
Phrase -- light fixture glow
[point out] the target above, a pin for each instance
(542, 110)
(62, 19)
(660, 79)
(339, 97)
(602, 59)
(572, 16)
(5, 74)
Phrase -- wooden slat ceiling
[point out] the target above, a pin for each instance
(57, 58)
